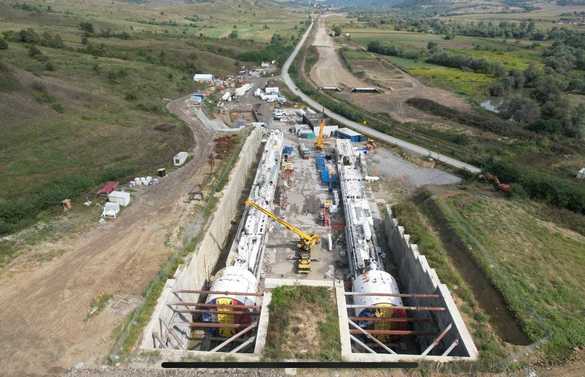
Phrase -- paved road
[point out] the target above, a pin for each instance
(361, 128)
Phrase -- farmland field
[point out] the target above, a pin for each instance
(538, 266)
(85, 106)
(469, 84)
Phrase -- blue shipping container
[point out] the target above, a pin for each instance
(325, 176)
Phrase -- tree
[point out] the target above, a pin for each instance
(28, 36)
(3, 44)
(234, 34)
(521, 109)
(87, 27)
(432, 46)
(337, 30)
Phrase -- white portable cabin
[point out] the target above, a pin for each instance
(328, 131)
(203, 77)
(180, 158)
(111, 210)
(272, 90)
(119, 197)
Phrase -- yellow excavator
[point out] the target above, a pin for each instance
(320, 141)
(306, 240)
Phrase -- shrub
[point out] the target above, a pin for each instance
(554, 190)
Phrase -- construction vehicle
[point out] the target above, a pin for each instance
(320, 141)
(370, 144)
(503, 187)
(306, 240)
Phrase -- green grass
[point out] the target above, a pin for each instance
(416, 223)
(469, 84)
(537, 266)
(288, 299)
(93, 117)
(98, 304)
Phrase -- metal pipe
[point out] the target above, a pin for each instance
(236, 306)
(243, 345)
(219, 292)
(415, 295)
(234, 337)
(361, 344)
(367, 333)
(451, 347)
(392, 332)
(392, 320)
(215, 325)
(216, 311)
(437, 340)
(415, 308)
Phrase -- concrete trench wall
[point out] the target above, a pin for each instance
(201, 262)
(417, 276)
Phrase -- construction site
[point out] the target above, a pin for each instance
(305, 215)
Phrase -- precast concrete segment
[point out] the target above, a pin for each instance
(361, 128)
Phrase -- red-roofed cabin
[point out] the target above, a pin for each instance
(107, 188)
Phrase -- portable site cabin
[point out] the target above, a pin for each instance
(203, 77)
(111, 210)
(180, 158)
(346, 133)
(197, 97)
(120, 197)
(327, 130)
(272, 90)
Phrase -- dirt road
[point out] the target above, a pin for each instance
(398, 86)
(43, 307)
(361, 128)
(329, 70)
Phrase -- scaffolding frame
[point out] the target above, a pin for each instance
(177, 332)
(371, 341)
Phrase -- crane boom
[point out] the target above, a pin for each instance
(310, 239)
(306, 240)
(320, 143)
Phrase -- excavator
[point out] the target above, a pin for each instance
(306, 240)
(320, 141)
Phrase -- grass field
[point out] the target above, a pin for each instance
(257, 20)
(538, 266)
(465, 83)
(303, 324)
(82, 113)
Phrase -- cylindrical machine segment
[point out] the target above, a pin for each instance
(378, 281)
(231, 279)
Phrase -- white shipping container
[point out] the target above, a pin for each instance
(119, 197)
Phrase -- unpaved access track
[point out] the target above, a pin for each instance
(329, 70)
(398, 86)
(43, 307)
(359, 127)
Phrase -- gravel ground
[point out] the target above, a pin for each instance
(382, 162)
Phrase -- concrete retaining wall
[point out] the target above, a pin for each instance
(416, 276)
(201, 262)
